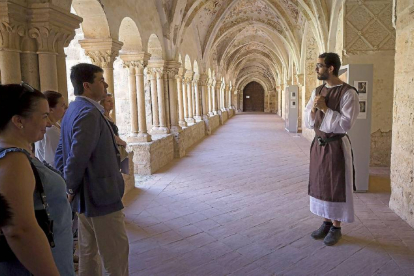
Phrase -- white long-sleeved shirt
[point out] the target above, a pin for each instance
(46, 148)
(334, 121)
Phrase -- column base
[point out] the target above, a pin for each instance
(190, 121)
(198, 118)
(176, 129)
(161, 130)
(210, 113)
(139, 138)
(182, 123)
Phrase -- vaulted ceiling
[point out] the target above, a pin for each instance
(236, 38)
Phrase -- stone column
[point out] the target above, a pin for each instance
(103, 53)
(185, 104)
(189, 77)
(216, 94)
(10, 37)
(181, 120)
(161, 102)
(130, 65)
(204, 95)
(143, 135)
(136, 62)
(171, 73)
(154, 100)
(46, 38)
(197, 115)
(210, 96)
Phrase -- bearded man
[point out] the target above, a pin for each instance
(331, 112)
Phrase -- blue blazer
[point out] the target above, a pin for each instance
(89, 160)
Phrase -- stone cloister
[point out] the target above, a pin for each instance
(178, 69)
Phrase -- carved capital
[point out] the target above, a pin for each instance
(171, 73)
(101, 51)
(52, 27)
(203, 80)
(11, 35)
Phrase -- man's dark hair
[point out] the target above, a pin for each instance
(83, 72)
(332, 59)
(16, 99)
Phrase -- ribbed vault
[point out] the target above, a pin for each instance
(245, 39)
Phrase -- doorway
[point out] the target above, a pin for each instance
(253, 98)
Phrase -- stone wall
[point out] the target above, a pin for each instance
(214, 122)
(224, 116)
(150, 157)
(402, 161)
(193, 134)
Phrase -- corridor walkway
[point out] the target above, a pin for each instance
(237, 204)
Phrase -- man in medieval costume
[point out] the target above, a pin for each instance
(331, 112)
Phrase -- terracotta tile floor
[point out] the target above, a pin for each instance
(237, 204)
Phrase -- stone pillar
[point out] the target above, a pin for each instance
(217, 89)
(300, 80)
(210, 96)
(61, 73)
(181, 120)
(188, 78)
(204, 95)
(130, 65)
(143, 135)
(136, 62)
(161, 102)
(10, 37)
(154, 100)
(103, 53)
(171, 73)
(197, 115)
(185, 104)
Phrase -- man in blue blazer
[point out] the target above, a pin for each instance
(88, 157)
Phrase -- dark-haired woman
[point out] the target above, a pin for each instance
(45, 149)
(23, 120)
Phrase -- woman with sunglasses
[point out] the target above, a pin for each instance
(31, 188)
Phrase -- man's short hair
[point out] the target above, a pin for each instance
(332, 59)
(83, 72)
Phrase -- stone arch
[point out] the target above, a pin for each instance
(130, 36)
(95, 26)
(154, 47)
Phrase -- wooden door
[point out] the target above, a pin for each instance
(253, 97)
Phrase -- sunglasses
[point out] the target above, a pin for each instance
(27, 87)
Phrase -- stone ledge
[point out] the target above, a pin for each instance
(151, 156)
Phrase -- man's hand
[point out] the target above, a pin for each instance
(320, 103)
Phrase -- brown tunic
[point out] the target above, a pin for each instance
(327, 163)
